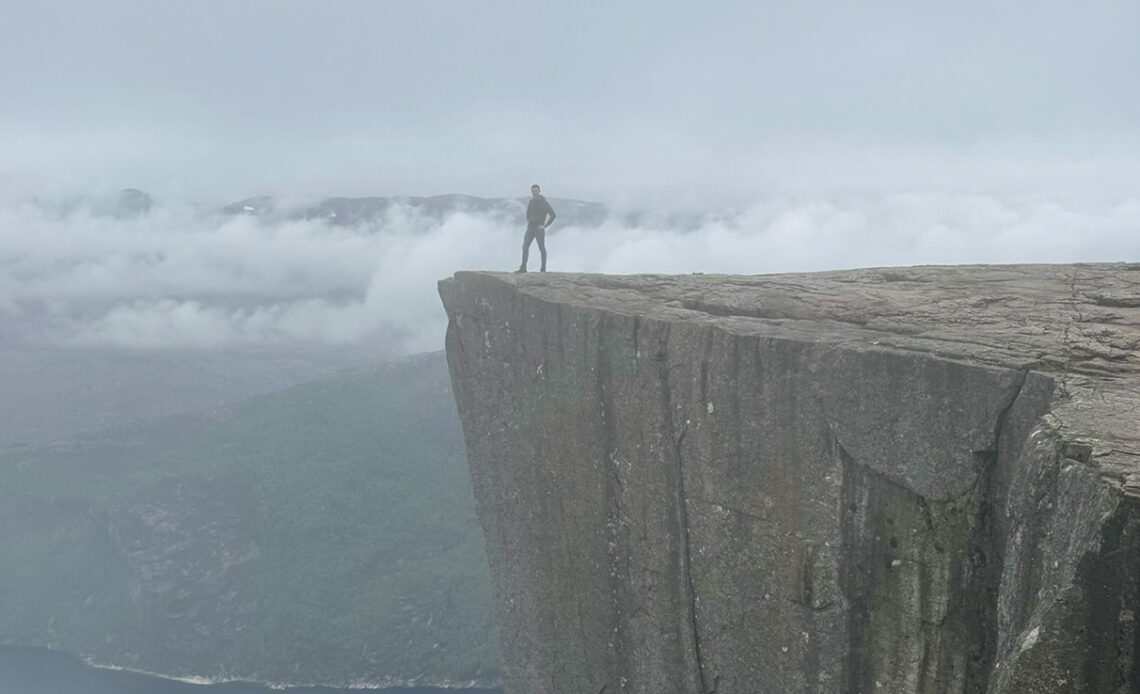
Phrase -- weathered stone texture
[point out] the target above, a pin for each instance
(903, 480)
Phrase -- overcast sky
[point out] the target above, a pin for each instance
(600, 100)
(822, 134)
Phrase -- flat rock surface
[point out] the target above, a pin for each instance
(1078, 323)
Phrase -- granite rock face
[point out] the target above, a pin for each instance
(895, 480)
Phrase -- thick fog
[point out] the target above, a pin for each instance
(176, 278)
(730, 137)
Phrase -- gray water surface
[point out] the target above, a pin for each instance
(39, 671)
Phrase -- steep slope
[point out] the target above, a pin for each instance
(904, 480)
(325, 534)
(57, 393)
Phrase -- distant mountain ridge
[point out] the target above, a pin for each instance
(355, 211)
(128, 203)
(375, 211)
(132, 203)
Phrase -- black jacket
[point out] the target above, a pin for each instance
(537, 210)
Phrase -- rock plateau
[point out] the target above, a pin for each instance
(889, 480)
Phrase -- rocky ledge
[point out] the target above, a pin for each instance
(888, 480)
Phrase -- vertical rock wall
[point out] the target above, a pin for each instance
(683, 503)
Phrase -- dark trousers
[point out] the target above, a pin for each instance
(534, 233)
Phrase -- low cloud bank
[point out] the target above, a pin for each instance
(176, 278)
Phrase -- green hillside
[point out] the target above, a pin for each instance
(324, 534)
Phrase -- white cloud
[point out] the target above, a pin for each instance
(180, 279)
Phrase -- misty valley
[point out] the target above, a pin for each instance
(322, 533)
(214, 464)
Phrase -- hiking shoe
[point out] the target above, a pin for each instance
(520, 270)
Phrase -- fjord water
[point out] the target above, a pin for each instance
(39, 671)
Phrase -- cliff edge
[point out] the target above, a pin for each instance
(889, 480)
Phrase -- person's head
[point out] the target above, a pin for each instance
(535, 190)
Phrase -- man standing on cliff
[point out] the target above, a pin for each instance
(539, 215)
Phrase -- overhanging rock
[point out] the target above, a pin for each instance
(894, 480)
